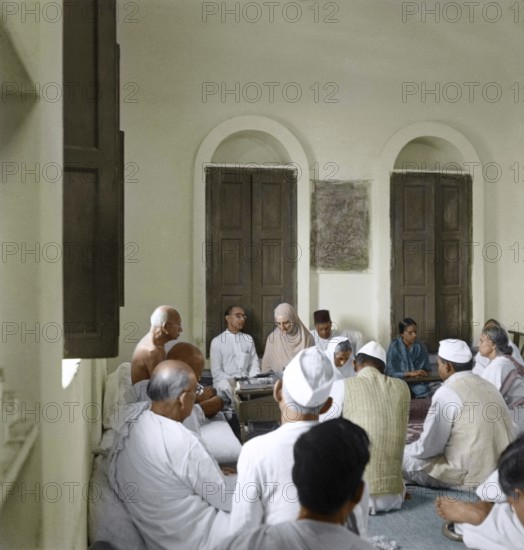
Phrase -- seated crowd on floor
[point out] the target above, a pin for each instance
(339, 453)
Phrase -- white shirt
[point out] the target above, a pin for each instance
(501, 530)
(170, 485)
(301, 534)
(482, 362)
(496, 372)
(337, 407)
(265, 492)
(446, 405)
(233, 355)
(467, 427)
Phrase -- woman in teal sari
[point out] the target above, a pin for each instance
(408, 358)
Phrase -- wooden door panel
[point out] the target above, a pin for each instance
(415, 269)
(449, 256)
(228, 230)
(272, 271)
(450, 316)
(231, 263)
(268, 303)
(417, 305)
(415, 198)
(274, 227)
(413, 282)
(273, 202)
(453, 269)
(448, 215)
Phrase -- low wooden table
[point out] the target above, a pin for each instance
(429, 378)
(254, 402)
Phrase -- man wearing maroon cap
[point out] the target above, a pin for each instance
(325, 330)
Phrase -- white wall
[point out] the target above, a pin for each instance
(48, 508)
(172, 53)
(20, 271)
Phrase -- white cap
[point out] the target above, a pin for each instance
(308, 378)
(374, 350)
(455, 351)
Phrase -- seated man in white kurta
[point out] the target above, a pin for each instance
(171, 487)
(467, 426)
(232, 353)
(329, 461)
(265, 492)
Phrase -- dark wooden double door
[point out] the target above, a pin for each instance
(432, 254)
(251, 249)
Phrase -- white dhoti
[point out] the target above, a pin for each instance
(108, 519)
(413, 473)
(501, 530)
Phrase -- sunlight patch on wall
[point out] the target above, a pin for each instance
(69, 370)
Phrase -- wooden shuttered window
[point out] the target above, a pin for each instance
(93, 180)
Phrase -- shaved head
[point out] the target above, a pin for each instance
(166, 323)
(161, 315)
(190, 355)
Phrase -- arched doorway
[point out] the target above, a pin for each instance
(240, 147)
(431, 228)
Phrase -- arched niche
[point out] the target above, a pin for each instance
(252, 140)
(429, 153)
(250, 147)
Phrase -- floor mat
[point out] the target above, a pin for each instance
(418, 410)
(416, 526)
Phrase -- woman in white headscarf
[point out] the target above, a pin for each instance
(287, 339)
(341, 355)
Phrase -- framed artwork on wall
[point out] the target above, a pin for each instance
(340, 225)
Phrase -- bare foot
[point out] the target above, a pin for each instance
(451, 509)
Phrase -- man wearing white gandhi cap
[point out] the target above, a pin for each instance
(467, 426)
(307, 379)
(265, 492)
